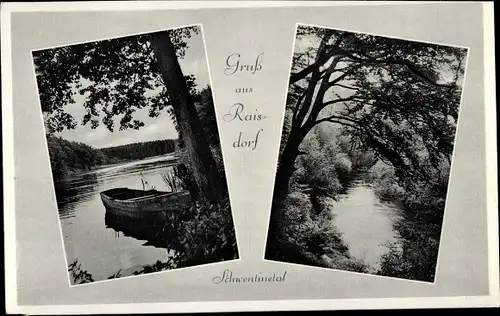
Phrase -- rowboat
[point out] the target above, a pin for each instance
(139, 203)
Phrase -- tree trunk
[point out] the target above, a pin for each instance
(283, 176)
(201, 158)
(285, 172)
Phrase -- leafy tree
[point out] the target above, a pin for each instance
(67, 156)
(206, 110)
(397, 99)
(118, 77)
(137, 151)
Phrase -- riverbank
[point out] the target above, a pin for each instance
(68, 157)
(350, 229)
(311, 236)
(71, 173)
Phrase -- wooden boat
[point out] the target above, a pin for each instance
(139, 203)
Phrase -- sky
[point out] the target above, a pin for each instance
(157, 128)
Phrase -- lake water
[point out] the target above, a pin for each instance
(102, 243)
(366, 223)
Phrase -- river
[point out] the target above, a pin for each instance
(102, 244)
(365, 222)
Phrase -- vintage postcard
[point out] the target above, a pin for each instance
(194, 156)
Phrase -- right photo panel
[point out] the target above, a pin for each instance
(366, 151)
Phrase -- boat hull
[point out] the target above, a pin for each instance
(157, 204)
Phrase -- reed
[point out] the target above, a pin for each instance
(172, 182)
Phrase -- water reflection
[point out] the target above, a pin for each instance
(154, 231)
(104, 244)
(366, 223)
(73, 191)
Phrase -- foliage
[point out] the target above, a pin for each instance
(116, 76)
(79, 276)
(323, 166)
(202, 232)
(317, 169)
(138, 151)
(67, 157)
(206, 112)
(185, 178)
(353, 265)
(386, 186)
(414, 258)
(396, 98)
(419, 228)
(208, 233)
(157, 267)
(359, 158)
(309, 236)
(116, 275)
(322, 172)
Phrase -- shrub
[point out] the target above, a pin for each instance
(343, 167)
(317, 168)
(78, 275)
(314, 234)
(206, 233)
(385, 183)
(419, 227)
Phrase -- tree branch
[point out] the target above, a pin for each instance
(345, 74)
(297, 105)
(405, 63)
(325, 104)
(336, 121)
(322, 58)
(335, 117)
(346, 87)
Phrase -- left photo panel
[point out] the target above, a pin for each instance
(135, 155)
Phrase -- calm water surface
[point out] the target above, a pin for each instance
(366, 223)
(102, 244)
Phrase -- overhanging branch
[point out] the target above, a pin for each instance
(321, 60)
(344, 121)
(346, 87)
(413, 68)
(325, 104)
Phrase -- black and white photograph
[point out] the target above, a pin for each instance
(365, 155)
(135, 155)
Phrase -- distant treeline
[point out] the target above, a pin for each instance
(67, 157)
(137, 151)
